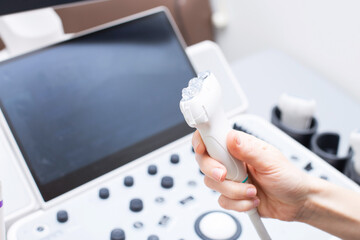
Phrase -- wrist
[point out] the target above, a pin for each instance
(314, 187)
(332, 208)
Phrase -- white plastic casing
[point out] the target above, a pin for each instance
(25, 31)
(220, 16)
(296, 112)
(205, 112)
(355, 145)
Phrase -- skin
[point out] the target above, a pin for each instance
(279, 189)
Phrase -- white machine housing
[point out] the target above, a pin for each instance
(22, 195)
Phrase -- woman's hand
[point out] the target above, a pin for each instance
(277, 188)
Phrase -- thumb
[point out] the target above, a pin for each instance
(250, 150)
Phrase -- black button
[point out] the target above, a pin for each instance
(175, 158)
(167, 182)
(104, 193)
(236, 127)
(136, 205)
(192, 183)
(324, 177)
(187, 200)
(128, 181)
(159, 200)
(164, 221)
(62, 216)
(138, 225)
(308, 167)
(40, 229)
(117, 234)
(240, 128)
(152, 169)
(153, 237)
(295, 158)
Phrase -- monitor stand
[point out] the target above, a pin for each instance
(26, 31)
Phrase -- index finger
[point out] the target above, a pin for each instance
(197, 143)
(251, 150)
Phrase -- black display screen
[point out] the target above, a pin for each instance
(84, 107)
(14, 6)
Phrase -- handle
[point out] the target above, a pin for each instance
(214, 134)
(236, 170)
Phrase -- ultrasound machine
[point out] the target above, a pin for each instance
(93, 144)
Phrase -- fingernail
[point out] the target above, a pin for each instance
(238, 140)
(256, 202)
(251, 192)
(217, 174)
(195, 144)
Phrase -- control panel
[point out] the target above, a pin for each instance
(164, 197)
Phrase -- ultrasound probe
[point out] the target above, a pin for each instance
(202, 109)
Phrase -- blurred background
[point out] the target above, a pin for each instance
(323, 35)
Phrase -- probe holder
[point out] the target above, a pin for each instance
(300, 135)
(326, 145)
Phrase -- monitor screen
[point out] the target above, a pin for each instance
(14, 6)
(84, 107)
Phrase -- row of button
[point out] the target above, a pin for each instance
(136, 204)
(166, 182)
(119, 234)
(229, 226)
